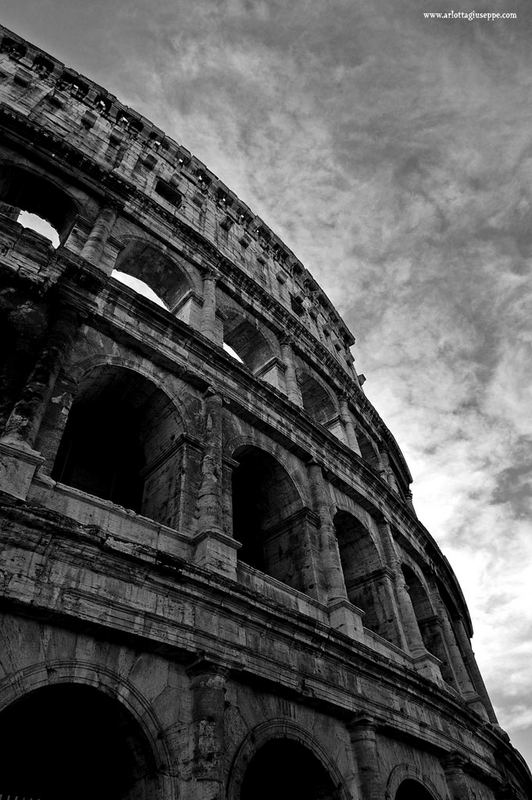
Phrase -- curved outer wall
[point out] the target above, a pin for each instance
(259, 575)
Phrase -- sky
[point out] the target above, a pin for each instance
(393, 154)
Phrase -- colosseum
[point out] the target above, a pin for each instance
(214, 584)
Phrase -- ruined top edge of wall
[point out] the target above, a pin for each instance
(51, 70)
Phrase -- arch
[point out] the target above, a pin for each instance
(80, 370)
(151, 264)
(236, 442)
(28, 190)
(247, 338)
(278, 732)
(119, 443)
(428, 622)
(269, 518)
(407, 782)
(360, 560)
(317, 400)
(368, 449)
(60, 695)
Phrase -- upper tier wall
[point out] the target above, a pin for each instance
(162, 187)
(88, 116)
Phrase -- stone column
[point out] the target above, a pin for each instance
(362, 730)
(330, 555)
(208, 684)
(388, 609)
(347, 422)
(209, 326)
(292, 386)
(18, 459)
(343, 615)
(214, 548)
(470, 661)
(453, 766)
(101, 230)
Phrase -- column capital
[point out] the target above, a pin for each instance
(210, 272)
(206, 665)
(453, 761)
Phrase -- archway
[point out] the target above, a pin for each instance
(268, 517)
(119, 443)
(153, 267)
(284, 769)
(428, 622)
(246, 339)
(66, 741)
(24, 190)
(368, 450)
(316, 400)
(412, 790)
(362, 568)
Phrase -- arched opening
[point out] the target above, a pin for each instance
(316, 400)
(244, 338)
(67, 741)
(119, 443)
(368, 450)
(412, 790)
(24, 191)
(362, 568)
(267, 517)
(286, 770)
(428, 622)
(152, 268)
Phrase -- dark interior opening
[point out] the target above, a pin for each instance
(100, 452)
(265, 516)
(412, 790)
(285, 770)
(119, 444)
(27, 191)
(360, 557)
(67, 741)
(248, 342)
(153, 266)
(428, 622)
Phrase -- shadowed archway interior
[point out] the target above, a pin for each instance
(268, 517)
(412, 790)
(120, 443)
(284, 769)
(67, 741)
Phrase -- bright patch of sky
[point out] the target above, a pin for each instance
(394, 155)
(39, 225)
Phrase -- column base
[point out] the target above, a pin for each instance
(346, 618)
(428, 666)
(215, 550)
(18, 464)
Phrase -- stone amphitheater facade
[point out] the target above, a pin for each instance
(214, 584)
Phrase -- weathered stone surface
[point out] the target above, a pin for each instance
(211, 574)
